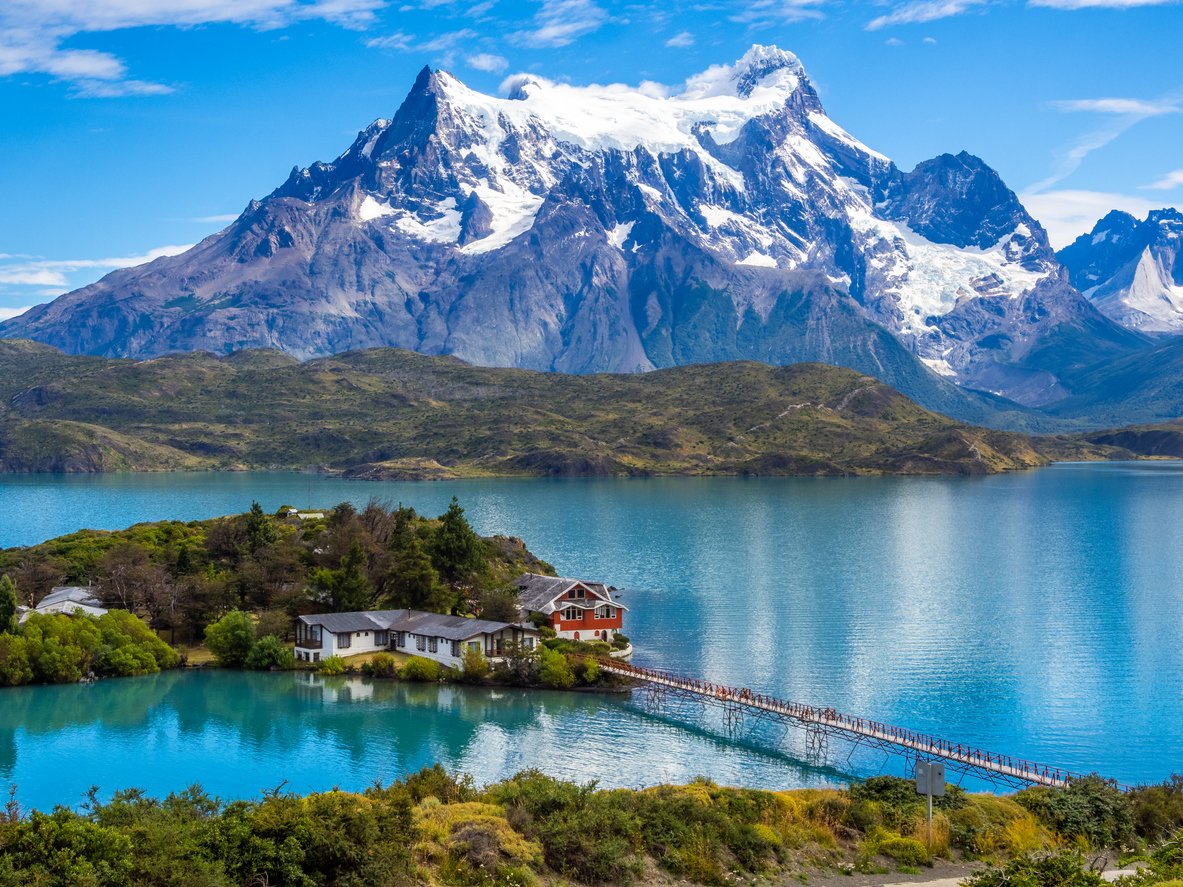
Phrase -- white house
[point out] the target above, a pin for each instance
(430, 635)
(575, 609)
(70, 599)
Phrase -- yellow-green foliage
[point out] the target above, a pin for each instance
(989, 824)
(473, 843)
(905, 851)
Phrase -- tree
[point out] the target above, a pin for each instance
(260, 530)
(554, 670)
(413, 581)
(348, 587)
(231, 638)
(499, 605)
(457, 551)
(7, 605)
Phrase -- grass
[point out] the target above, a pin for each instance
(386, 413)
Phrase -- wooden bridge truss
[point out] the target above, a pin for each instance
(739, 705)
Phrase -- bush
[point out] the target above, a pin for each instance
(554, 670)
(1158, 809)
(419, 669)
(270, 652)
(905, 851)
(331, 665)
(1055, 870)
(476, 667)
(1088, 808)
(231, 638)
(381, 665)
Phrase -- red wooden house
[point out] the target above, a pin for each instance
(581, 611)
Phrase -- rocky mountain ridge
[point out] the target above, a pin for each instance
(619, 229)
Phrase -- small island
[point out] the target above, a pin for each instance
(381, 591)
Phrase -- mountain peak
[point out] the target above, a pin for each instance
(767, 68)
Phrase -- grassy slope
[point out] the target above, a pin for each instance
(386, 412)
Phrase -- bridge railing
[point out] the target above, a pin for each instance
(999, 763)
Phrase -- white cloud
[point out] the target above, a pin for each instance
(1068, 214)
(768, 13)
(487, 61)
(893, 41)
(219, 219)
(1126, 112)
(681, 41)
(923, 11)
(1169, 182)
(6, 313)
(1098, 4)
(931, 41)
(1138, 107)
(56, 272)
(33, 33)
(562, 22)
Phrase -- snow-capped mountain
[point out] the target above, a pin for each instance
(1132, 270)
(611, 228)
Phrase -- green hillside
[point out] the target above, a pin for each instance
(392, 413)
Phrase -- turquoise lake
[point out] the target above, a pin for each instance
(1037, 614)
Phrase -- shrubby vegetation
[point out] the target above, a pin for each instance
(52, 648)
(184, 576)
(432, 828)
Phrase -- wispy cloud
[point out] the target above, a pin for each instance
(768, 13)
(562, 22)
(56, 272)
(1141, 108)
(487, 61)
(1098, 4)
(1169, 182)
(33, 33)
(1067, 214)
(219, 219)
(1125, 113)
(6, 313)
(681, 41)
(920, 11)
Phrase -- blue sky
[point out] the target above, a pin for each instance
(134, 127)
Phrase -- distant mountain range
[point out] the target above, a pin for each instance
(610, 229)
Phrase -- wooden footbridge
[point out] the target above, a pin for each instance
(821, 723)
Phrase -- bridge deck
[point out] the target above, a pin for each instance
(856, 727)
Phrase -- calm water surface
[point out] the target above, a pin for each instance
(1038, 614)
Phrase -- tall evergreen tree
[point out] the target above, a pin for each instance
(413, 581)
(260, 530)
(7, 605)
(457, 551)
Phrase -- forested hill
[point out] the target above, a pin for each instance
(393, 413)
(182, 576)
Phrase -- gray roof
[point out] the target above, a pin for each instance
(74, 594)
(433, 625)
(537, 593)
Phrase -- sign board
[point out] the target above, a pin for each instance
(930, 778)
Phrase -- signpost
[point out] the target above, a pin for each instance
(930, 781)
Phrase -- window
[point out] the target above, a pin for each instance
(474, 645)
(572, 613)
(316, 657)
(344, 641)
(381, 638)
(455, 649)
(577, 591)
(400, 638)
(420, 642)
(528, 643)
(433, 645)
